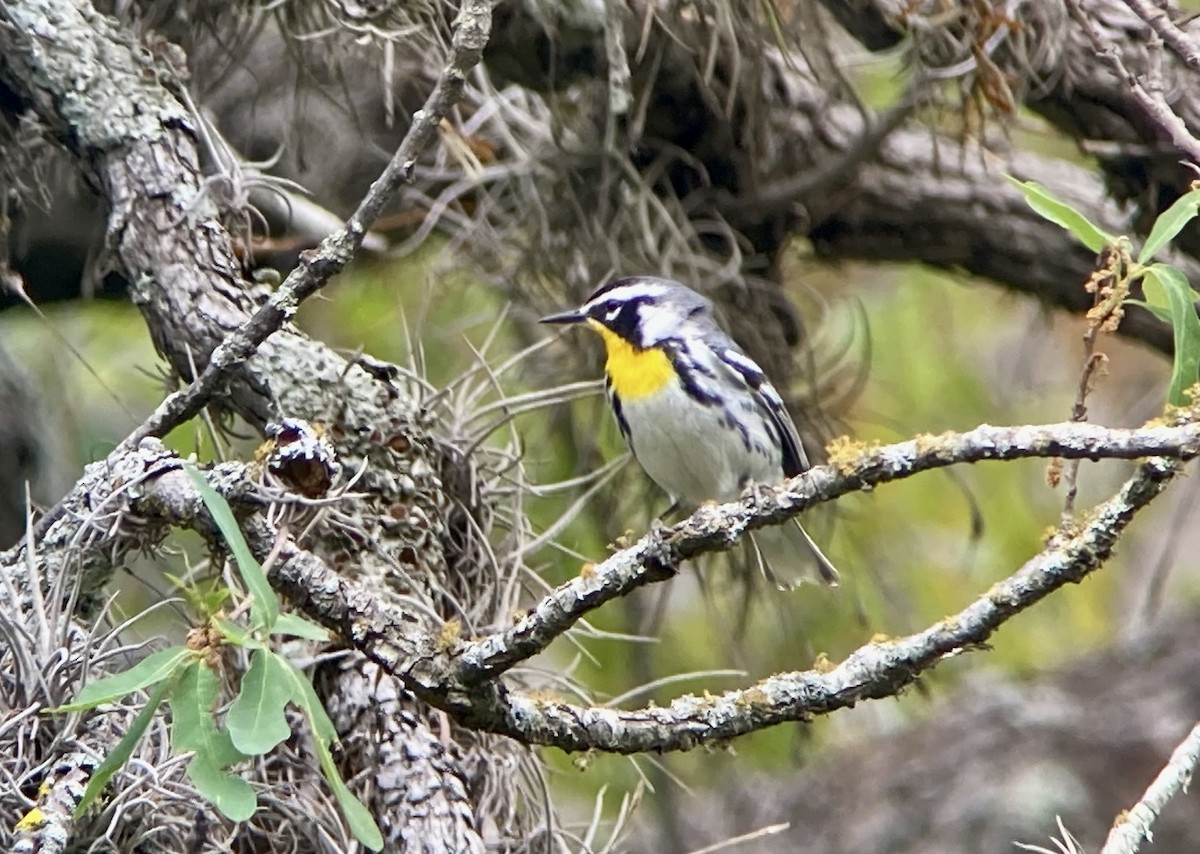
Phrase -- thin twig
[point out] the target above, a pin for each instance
(471, 29)
(754, 835)
(1177, 40)
(1156, 109)
(1132, 827)
(1109, 288)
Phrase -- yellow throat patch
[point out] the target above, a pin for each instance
(633, 372)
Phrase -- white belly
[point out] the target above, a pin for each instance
(687, 451)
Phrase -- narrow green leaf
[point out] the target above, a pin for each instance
(264, 604)
(1167, 287)
(1060, 213)
(152, 669)
(116, 760)
(1169, 223)
(300, 627)
(236, 634)
(206, 597)
(226, 791)
(1161, 312)
(306, 698)
(358, 817)
(256, 720)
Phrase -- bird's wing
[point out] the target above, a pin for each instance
(794, 459)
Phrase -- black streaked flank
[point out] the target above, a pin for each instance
(795, 461)
(615, 402)
(688, 369)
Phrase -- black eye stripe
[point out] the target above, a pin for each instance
(627, 309)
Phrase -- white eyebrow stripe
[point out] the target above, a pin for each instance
(626, 293)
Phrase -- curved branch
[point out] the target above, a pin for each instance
(713, 528)
(876, 670)
(460, 678)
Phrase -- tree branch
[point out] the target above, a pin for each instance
(398, 643)
(1179, 41)
(1133, 827)
(460, 678)
(318, 266)
(1148, 97)
(659, 553)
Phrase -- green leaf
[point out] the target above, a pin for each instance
(226, 791)
(205, 598)
(306, 698)
(152, 669)
(264, 604)
(358, 817)
(1169, 223)
(256, 720)
(1159, 311)
(194, 727)
(236, 634)
(116, 760)
(193, 721)
(300, 627)
(1168, 288)
(1060, 213)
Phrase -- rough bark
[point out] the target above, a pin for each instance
(112, 107)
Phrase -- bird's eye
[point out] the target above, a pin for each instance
(612, 313)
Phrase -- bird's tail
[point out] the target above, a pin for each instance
(829, 573)
(825, 567)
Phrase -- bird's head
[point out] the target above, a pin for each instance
(642, 311)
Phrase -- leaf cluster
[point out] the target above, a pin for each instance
(187, 678)
(1169, 295)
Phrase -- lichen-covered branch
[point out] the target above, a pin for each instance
(335, 251)
(461, 678)
(140, 147)
(880, 669)
(401, 644)
(718, 527)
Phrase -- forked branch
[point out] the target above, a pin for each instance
(463, 678)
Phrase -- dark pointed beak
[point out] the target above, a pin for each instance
(573, 316)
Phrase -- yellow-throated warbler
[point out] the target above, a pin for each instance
(700, 415)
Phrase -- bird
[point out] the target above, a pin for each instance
(700, 416)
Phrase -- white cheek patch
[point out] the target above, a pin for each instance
(657, 323)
